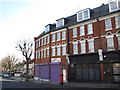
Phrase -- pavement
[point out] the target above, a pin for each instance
(75, 84)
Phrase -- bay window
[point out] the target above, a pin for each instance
(108, 24)
(82, 31)
(117, 21)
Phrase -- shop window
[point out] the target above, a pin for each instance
(116, 72)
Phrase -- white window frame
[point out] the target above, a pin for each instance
(41, 53)
(60, 22)
(44, 53)
(81, 15)
(53, 51)
(75, 47)
(44, 40)
(91, 45)
(117, 2)
(112, 43)
(58, 50)
(48, 52)
(108, 24)
(90, 28)
(82, 30)
(83, 43)
(63, 35)
(117, 21)
(53, 37)
(63, 49)
(58, 36)
(74, 32)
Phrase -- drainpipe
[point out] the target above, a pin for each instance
(100, 47)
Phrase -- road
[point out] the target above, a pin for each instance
(8, 83)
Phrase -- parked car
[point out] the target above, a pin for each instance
(30, 75)
(5, 75)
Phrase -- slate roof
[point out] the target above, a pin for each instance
(102, 10)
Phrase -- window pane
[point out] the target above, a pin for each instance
(75, 48)
(60, 23)
(117, 21)
(53, 51)
(58, 36)
(86, 14)
(44, 53)
(108, 24)
(119, 42)
(83, 48)
(58, 50)
(91, 46)
(82, 30)
(63, 35)
(74, 32)
(53, 37)
(47, 52)
(110, 43)
(113, 5)
(90, 29)
(79, 16)
(63, 50)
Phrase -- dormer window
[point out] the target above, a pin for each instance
(83, 15)
(47, 28)
(114, 5)
(60, 22)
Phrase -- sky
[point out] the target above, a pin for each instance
(26, 19)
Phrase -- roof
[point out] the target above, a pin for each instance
(102, 10)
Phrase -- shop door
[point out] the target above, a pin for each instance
(108, 73)
(55, 73)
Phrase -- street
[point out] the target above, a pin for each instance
(8, 83)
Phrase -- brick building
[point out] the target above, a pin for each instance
(83, 47)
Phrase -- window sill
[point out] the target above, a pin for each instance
(81, 35)
(110, 49)
(108, 29)
(64, 39)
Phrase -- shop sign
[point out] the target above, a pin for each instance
(100, 54)
(55, 60)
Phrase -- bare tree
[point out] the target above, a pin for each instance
(8, 64)
(26, 48)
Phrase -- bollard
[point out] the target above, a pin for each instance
(61, 79)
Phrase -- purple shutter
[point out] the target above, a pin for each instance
(55, 73)
(44, 72)
(36, 71)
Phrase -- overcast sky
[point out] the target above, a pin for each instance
(21, 19)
